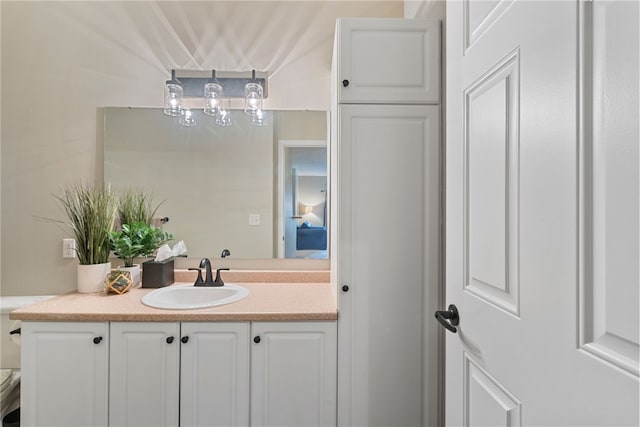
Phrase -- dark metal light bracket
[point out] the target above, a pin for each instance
(233, 87)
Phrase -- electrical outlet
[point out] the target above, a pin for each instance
(68, 248)
(254, 219)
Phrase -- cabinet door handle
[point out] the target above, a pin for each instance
(345, 83)
(169, 340)
(257, 340)
(184, 339)
(97, 340)
(345, 288)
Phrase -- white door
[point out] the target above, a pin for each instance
(65, 368)
(214, 374)
(542, 213)
(293, 374)
(144, 363)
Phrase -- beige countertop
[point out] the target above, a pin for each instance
(266, 302)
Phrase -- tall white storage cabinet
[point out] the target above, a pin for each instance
(386, 215)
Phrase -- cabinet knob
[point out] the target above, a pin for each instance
(97, 340)
(257, 340)
(345, 83)
(184, 339)
(169, 340)
(345, 288)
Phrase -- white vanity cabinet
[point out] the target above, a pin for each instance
(144, 374)
(214, 379)
(179, 374)
(386, 220)
(65, 368)
(162, 372)
(293, 374)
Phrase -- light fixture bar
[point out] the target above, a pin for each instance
(233, 86)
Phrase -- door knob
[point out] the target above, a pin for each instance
(449, 319)
(169, 340)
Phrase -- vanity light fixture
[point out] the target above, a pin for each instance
(187, 118)
(260, 118)
(173, 96)
(212, 96)
(253, 95)
(215, 91)
(223, 118)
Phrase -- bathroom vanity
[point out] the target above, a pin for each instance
(95, 359)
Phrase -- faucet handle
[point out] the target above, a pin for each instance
(199, 280)
(218, 281)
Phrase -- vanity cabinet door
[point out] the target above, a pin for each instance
(385, 60)
(144, 374)
(387, 264)
(214, 377)
(293, 374)
(64, 374)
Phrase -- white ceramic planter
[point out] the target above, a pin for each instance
(91, 277)
(134, 271)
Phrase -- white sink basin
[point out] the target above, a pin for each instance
(189, 297)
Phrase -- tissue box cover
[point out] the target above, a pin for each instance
(156, 274)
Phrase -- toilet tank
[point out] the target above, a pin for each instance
(9, 349)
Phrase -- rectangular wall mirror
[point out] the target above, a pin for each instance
(258, 191)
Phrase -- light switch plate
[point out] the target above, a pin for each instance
(68, 248)
(254, 219)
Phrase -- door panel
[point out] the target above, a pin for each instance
(491, 185)
(387, 367)
(486, 402)
(542, 213)
(609, 324)
(214, 374)
(65, 369)
(364, 78)
(144, 374)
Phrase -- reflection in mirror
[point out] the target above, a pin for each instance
(258, 191)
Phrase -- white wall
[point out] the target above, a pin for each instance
(62, 61)
(432, 9)
(310, 194)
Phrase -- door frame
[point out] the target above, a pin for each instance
(283, 145)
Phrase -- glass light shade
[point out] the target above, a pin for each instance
(172, 99)
(223, 118)
(187, 118)
(212, 98)
(253, 94)
(259, 118)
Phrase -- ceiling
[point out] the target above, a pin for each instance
(291, 40)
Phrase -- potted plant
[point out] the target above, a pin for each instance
(91, 212)
(135, 240)
(134, 205)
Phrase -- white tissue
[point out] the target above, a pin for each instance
(165, 252)
(179, 248)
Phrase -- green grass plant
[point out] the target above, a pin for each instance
(91, 212)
